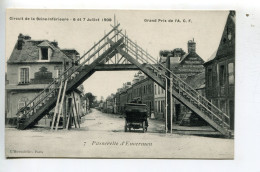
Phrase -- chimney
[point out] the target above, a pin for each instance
(27, 37)
(55, 43)
(191, 46)
(20, 42)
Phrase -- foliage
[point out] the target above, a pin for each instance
(166, 53)
(91, 99)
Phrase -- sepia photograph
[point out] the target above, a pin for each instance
(138, 84)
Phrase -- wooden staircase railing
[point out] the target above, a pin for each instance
(51, 91)
(179, 86)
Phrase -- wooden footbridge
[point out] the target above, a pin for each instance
(116, 51)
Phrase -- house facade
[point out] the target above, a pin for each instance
(220, 71)
(183, 115)
(159, 102)
(187, 66)
(32, 65)
(141, 90)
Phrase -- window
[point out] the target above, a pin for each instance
(21, 104)
(215, 102)
(222, 75)
(223, 106)
(24, 75)
(155, 89)
(159, 92)
(161, 110)
(58, 71)
(163, 106)
(210, 77)
(231, 77)
(159, 106)
(44, 53)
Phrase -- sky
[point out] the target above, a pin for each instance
(205, 27)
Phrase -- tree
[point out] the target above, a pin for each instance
(102, 99)
(91, 98)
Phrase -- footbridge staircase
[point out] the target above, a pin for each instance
(116, 49)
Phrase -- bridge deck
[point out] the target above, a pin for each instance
(113, 67)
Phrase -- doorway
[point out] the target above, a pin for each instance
(231, 114)
(178, 111)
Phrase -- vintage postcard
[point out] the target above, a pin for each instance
(120, 84)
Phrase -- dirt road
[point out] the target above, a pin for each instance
(102, 135)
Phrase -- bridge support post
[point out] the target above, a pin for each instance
(166, 105)
(65, 112)
(68, 124)
(169, 95)
(171, 106)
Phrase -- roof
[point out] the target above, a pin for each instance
(224, 48)
(45, 44)
(30, 52)
(175, 60)
(212, 57)
(70, 52)
(26, 87)
(202, 86)
(194, 54)
(196, 81)
(77, 90)
(184, 56)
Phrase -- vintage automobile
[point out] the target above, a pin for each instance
(136, 116)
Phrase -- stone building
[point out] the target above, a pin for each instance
(122, 97)
(183, 115)
(159, 102)
(220, 71)
(141, 90)
(123, 101)
(32, 65)
(186, 66)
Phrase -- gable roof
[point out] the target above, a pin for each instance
(30, 52)
(196, 81)
(227, 42)
(189, 54)
(184, 56)
(69, 52)
(212, 56)
(176, 61)
(45, 44)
